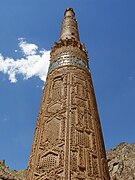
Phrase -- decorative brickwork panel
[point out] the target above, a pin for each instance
(48, 162)
(53, 131)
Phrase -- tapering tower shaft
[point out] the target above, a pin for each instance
(68, 142)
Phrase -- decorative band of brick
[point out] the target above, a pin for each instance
(78, 63)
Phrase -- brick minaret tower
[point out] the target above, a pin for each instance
(68, 142)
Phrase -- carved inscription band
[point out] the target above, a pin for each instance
(78, 63)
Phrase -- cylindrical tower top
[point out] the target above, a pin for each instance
(69, 12)
(69, 28)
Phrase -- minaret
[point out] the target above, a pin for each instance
(68, 142)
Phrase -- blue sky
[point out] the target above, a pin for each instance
(106, 27)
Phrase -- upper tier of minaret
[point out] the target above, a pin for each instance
(69, 35)
(69, 28)
(69, 50)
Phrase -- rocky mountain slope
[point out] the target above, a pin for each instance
(7, 174)
(121, 162)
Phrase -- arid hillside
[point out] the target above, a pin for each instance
(121, 162)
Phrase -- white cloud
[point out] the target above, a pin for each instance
(27, 48)
(32, 64)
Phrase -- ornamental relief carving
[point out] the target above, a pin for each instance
(95, 165)
(54, 132)
(100, 140)
(83, 139)
(56, 91)
(89, 163)
(89, 122)
(52, 135)
(94, 146)
(57, 96)
(82, 131)
(54, 108)
(84, 135)
(83, 119)
(81, 158)
(104, 168)
(50, 163)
